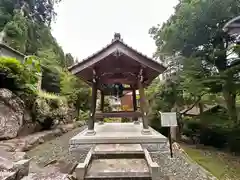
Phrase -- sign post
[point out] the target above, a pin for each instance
(169, 119)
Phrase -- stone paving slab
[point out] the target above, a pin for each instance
(118, 168)
(118, 133)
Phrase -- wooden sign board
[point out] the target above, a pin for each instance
(168, 119)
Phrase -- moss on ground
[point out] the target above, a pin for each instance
(221, 164)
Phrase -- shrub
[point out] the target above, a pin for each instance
(155, 122)
(215, 136)
(214, 130)
(83, 115)
(11, 73)
(192, 127)
(110, 120)
(234, 140)
(76, 92)
(21, 78)
(49, 109)
(125, 120)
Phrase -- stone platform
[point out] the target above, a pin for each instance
(117, 133)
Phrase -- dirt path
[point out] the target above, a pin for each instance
(55, 149)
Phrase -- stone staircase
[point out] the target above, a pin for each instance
(117, 161)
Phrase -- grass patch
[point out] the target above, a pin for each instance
(222, 165)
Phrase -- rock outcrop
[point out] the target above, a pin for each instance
(11, 114)
(14, 165)
(28, 142)
(48, 175)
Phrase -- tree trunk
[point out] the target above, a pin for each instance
(2, 36)
(77, 106)
(230, 100)
(176, 131)
(200, 105)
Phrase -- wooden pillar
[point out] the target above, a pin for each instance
(93, 109)
(101, 106)
(143, 106)
(134, 101)
(102, 102)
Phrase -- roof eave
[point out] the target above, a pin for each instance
(226, 26)
(160, 66)
(11, 49)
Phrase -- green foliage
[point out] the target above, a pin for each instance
(69, 60)
(20, 78)
(107, 105)
(6, 9)
(111, 120)
(83, 115)
(213, 129)
(195, 32)
(25, 26)
(24, 76)
(206, 60)
(49, 109)
(75, 90)
(125, 120)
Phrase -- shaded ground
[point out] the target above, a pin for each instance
(223, 165)
(56, 149)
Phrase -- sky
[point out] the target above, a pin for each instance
(83, 27)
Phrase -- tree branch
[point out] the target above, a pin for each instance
(194, 104)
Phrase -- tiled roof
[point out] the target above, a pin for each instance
(228, 25)
(196, 110)
(110, 44)
(11, 49)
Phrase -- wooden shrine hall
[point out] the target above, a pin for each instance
(109, 69)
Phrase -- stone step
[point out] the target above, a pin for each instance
(122, 178)
(118, 169)
(110, 151)
(118, 156)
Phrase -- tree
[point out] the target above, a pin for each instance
(25, 26)
(75, 90)
(69, 60)
(195, 31)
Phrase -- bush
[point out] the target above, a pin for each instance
(49, 109)
(155, 122)
(214, 136)
(234, 140)
(213, 131)
(21, 78)
(83, 115)
(75, 91)
(125, 120)
(110, 120)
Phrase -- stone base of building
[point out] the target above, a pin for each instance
(117, 133)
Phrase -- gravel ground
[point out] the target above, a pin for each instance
(178, 168)
(56, 149)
